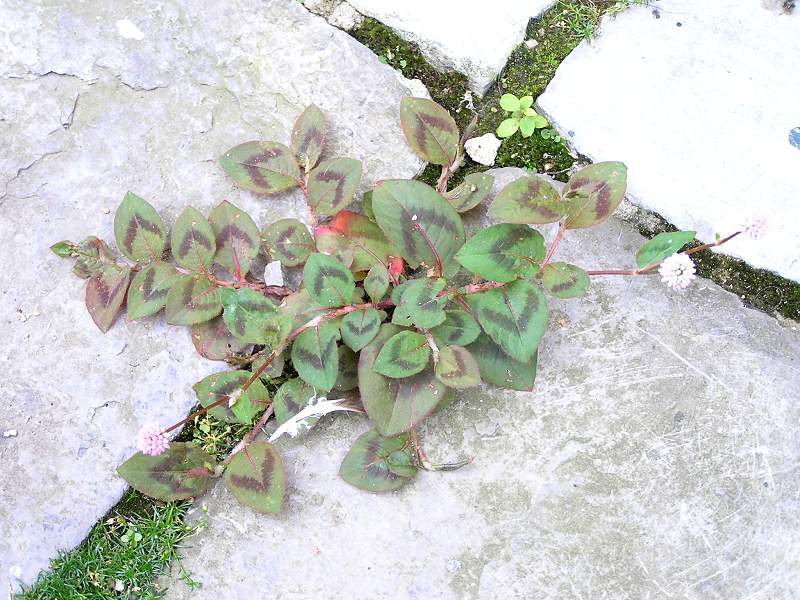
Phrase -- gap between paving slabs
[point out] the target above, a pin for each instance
(528, 71)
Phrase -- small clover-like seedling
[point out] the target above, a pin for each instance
(399, 310)
(522, 117)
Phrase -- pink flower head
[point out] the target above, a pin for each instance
(677, 271)
(756, 227)
(151, 440)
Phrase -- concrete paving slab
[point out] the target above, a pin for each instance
(470, 37)
(96, 99)
(656, 458)
(700, 101)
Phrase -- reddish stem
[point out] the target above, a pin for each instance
(562, 228)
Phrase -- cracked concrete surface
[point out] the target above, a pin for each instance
(86, 115)
(657, 457)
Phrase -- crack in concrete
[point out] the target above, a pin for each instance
(26, 168)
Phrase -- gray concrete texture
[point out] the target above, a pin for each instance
(656, 458)
(98, 98)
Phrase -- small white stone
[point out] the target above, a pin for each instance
(531, 44)
(483, 149)
(10, 433)
(15, 571)
(273, 274)
(453, 565)
(119, 586)
(345, 17)
(128, 30)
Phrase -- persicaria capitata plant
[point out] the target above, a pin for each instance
(398, 311)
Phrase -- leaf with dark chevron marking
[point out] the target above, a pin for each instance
(139, 230)
(514, 316)
(475, 188)
(499, 369)
(221, 385)
(403, 355)
(301, 308)
(420, 304)
(376, 283)
(379, 464)
(430, 130)
(237, 237)
(91, 255)
(255, 477)
(262, 167)
(503, 252)
(347, 379)
(288, 241)
(564, 280)
(193, 241)
(662, 246)
(328, 281)
(531, 200)
(182, 471)
(291, 398)
(418, 221)
(105, 294)
(459, 328)
(366, 240)
(148, 291)
(247, 314)
(457, 368)
(192, 299)
(315, 357)
(275, 368)
(396, 405)
(214, 341)
(308, 137)
(359, 327)
(332, 185)
(594, 193)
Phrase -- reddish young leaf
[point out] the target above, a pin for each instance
(105, 293)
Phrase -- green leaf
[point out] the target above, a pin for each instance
(510, 102)
(396, 405)
(347, 379)
(403, 355)
(360, 327)
(541, 122)
(430, 130)
(502, 252)
(193, 242)
(328, 281)
(594, 193)
(457, 368)
(366, 205)
(255, 477)
(221, 385)
(475, 188)
(289, 241)
(262, 167)
(315, 357)
(420, 304)
(662, 246)
(192, 299)
(459, 328)
(332, 185)
(275, 368)
(367, 464)
(498, 368)
(247, 314)
(238, 238)
(507, 128)
(105, 294)
(531, 200)
(564, 280)
(514, 316)
(308, 137)
(301, 308)
(365, 239)
(63, 249)
(527, 126)
(417, 220)
(148, 291)
(182, 471)
(291, 398)
(376, 283)
(525, 102)
(140, 232)
(91, 255)
(214, 341)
